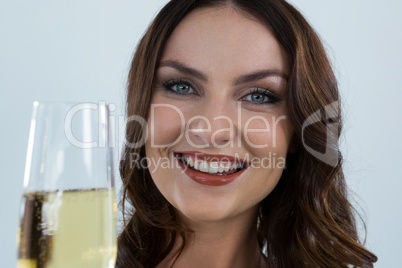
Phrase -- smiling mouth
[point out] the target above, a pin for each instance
(222, 167)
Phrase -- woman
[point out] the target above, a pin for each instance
(242, 167)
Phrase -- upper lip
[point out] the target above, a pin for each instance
(213, 157)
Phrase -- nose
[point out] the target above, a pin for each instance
(212, 125)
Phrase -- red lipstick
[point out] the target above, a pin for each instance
(207, 178)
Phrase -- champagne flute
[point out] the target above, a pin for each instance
(68, 207)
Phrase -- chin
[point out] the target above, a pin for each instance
(203, 215)
(207, 211)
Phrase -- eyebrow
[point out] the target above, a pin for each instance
(258, 75)
(184, 69)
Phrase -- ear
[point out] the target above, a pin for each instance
(294, 144)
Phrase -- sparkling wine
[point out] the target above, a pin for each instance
(75, 228)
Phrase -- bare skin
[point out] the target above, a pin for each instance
(224, 46)
(224, 245)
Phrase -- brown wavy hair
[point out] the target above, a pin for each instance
(307, 221)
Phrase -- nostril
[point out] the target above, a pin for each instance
(210, 131)
(202, 137)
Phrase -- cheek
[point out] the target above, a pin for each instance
(267, 134)
(165, 124)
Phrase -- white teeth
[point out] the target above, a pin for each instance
(221, 168)
(236, 166)
(204, 166)
(213, 167)
(210, 167)
(196, 165)
(190, 161)
(227, 167)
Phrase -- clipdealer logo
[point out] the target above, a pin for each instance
(329, 116)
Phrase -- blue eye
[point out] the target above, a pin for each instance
(179, 87)
(260, 96)
(182, 88)
(256, 97)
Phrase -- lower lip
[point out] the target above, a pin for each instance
(208, 179)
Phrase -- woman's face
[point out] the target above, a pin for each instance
(218, 132)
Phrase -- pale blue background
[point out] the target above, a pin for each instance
(80, 51)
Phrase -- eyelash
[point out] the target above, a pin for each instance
(169, 84)
(264, 92)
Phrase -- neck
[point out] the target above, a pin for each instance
(228, 243)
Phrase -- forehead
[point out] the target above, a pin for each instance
(222, 38)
